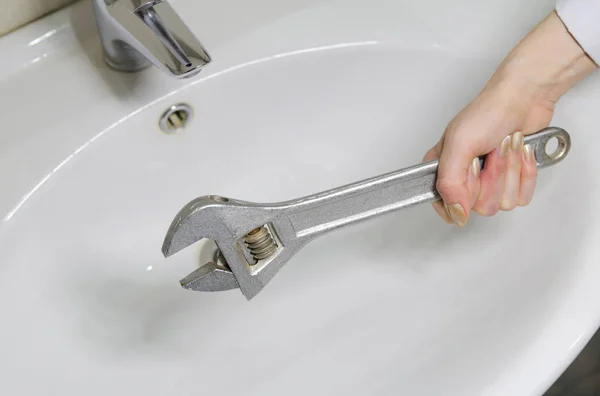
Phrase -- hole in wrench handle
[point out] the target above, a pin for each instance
(538, 141)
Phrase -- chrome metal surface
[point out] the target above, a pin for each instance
(138, 33)
(211, 277)
(293, 224)
(176, 118)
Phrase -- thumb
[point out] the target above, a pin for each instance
(458, 179)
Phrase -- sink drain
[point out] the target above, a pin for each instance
(176, 118)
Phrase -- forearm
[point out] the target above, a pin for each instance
(545, 64)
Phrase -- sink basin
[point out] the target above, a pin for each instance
(301, 96)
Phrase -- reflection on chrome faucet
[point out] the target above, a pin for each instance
(138, 33)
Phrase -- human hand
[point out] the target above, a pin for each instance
(518, 100)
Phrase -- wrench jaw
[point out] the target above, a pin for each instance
(202, 218)
(229, 223)
(190, 225)
(211, 277)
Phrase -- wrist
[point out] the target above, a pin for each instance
(545, 65)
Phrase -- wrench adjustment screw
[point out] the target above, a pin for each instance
(261, 243)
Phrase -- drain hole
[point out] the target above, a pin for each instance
(176, 118)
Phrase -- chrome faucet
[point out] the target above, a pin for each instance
(138, 33)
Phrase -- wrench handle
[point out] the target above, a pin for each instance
(321, 213)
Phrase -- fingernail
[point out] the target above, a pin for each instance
(457, 214)
(505, 146)
(517, 142)
(475, 168)
(441, 211)
(528, 153)
(527, 191)
(447, 210)
(474, 172)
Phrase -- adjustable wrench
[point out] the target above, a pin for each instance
(255, 240)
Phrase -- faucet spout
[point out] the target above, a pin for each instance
(138, 33)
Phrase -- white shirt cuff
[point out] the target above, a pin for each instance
(582, 19)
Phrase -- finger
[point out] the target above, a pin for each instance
(473, 182)
(438, 206)
(452, 180)
(529, 172)
(512, 179)
(442, 212)
(492, 180)
(432, 154)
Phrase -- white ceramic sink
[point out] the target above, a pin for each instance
(301, 96)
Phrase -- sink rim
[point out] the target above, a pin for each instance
(56, 47)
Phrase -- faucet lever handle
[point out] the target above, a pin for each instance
(160, 35)
(152, 19)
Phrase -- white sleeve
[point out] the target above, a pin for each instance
(582, 19)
